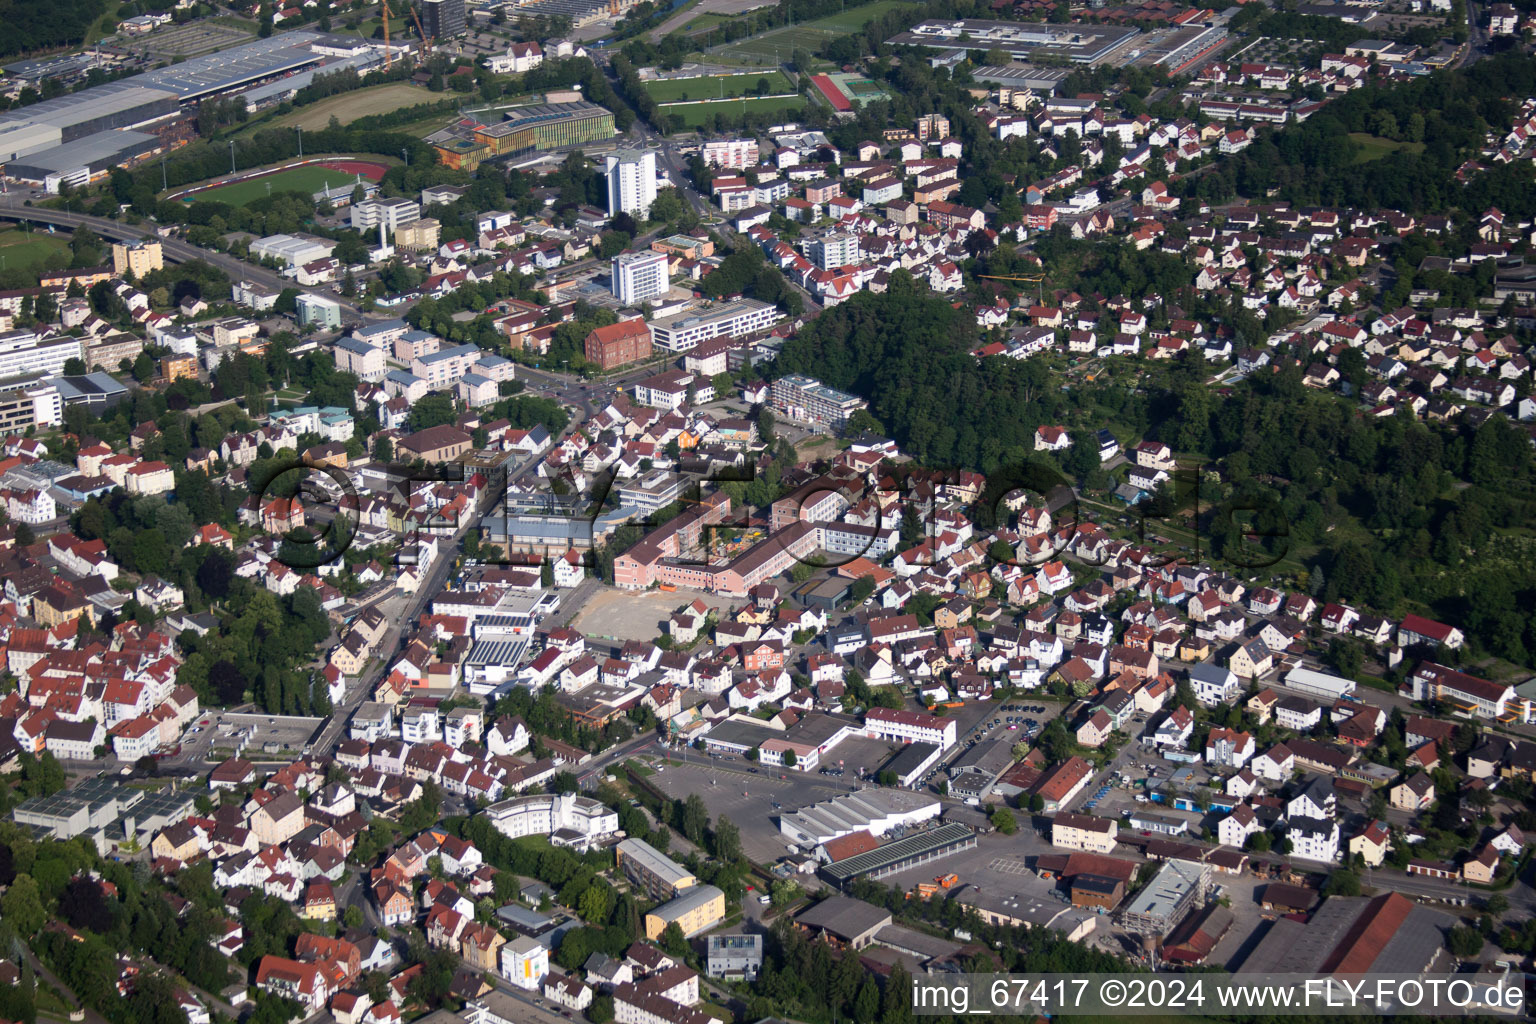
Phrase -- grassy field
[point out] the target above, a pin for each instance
(1374, 147)
(696, 114)
(812, 35)
(708, 21)
(715, 87)
(20, 250)
(349, 106)
(297, 179)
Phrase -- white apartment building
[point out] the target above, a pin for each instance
(838, 250)
(1314, 839)
(525, 962)
(545, 814)
(734, 153)
(446, 367)
(734, 319)
(631, 181)
(1083, 832)
(639, 277)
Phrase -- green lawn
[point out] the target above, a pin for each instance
(857, 17)
(708, 21)
(349, 106)
(811, 35)
(1374, 147)
(20, 250)
(295, 179)
(710, 88)
(696, 114)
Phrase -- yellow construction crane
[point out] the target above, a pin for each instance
(426, 44)
(384, 13)
(1035, 279)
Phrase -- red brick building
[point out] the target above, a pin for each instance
(620, 343)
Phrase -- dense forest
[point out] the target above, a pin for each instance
(35, 25)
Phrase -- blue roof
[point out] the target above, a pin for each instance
(383, 327)
(353, 345)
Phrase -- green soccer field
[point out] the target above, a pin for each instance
(21, 250)
(296, 179)
(696, 114)
(709, 88)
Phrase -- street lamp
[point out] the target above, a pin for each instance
(406, 152)
(231, 156)
(300, 129)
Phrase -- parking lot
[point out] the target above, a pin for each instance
(627, 615)
(730, 788)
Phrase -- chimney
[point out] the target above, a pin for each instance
(382, 243)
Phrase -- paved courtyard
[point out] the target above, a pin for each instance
(636, 614)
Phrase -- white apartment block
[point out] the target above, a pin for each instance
(733, 153)
(685, 330)
(631, 181)
(446, 367)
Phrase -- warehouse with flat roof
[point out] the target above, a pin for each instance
(900, 855)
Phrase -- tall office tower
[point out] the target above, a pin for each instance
(443, 19)
(631, 181)
(638, 276)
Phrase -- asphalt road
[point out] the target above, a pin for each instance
(13, 206)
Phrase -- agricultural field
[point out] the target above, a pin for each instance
(349, 106)
(715, 87)
(696, 114)
(812, 35)
(24, 250)
(307, 178)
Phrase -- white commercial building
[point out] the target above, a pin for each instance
(25, 353)
(639, 276)
(874, 810)
(392, 213)
(910, 727)
(631, 181)
(1318, 684)
(291, 250)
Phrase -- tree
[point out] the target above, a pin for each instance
(352, 917)
(727, 840)
(674, 941)
(22, 906)
(1464, 942)
(695, 818)
(1342, 883)
(1004, 821)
